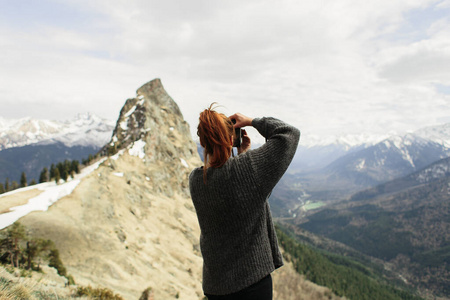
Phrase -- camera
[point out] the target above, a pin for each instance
(237, 135)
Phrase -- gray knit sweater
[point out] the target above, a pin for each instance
(238, 241)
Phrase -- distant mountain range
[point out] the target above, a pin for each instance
(83, 130)
(387, 160)
(334, 172)
(405, 222)
(28, 145)
(315, 153)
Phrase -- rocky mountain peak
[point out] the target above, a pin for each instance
(152, 117)
(152, 127)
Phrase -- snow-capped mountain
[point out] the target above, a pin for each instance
(83, 130)
(392, 158)
(345, 141)
(316, 152)
(439, 134)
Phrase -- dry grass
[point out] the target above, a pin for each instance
(47, 286)
(289, 285)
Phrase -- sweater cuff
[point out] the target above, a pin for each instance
(257, 122)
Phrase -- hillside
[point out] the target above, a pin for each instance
(404, 222)
(31, 159)
(344, 276)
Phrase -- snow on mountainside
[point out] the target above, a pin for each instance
(347, 141)
(439, 134)
(316, 152)
(438, 170)
(83, 130)
(389, 159)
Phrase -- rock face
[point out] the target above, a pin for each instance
(130, 224)
(153, 123)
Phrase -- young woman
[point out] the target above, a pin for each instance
(238, 241)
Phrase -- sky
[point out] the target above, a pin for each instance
(331, 68)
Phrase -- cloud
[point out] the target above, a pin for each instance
(328, 67)
(424, 61)
(430, 65)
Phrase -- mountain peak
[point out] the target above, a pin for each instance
(152, 127)
(156, 93)
(151, 115)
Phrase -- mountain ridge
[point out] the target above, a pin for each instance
(82, 130)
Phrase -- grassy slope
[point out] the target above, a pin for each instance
(342, 275)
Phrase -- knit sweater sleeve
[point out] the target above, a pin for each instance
(271, 160)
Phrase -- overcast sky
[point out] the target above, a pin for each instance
(328, 67)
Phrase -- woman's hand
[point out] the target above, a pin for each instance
(241, 120)
(246, 143)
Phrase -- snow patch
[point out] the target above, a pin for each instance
(184, 163)
(361, 164)
(118, 174)
(51, 193)
(130, 112)
(116, 156)
(138, 149)
(436, 171)
(124, 125)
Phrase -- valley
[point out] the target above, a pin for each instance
(402, 224)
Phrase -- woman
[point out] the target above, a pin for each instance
(238, 241)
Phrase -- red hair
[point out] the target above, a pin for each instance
(215, 131)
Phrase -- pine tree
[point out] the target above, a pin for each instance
(15, 234)
(43, 177)
(2, 189)
(36, 247)
(23, 180)
(55, 262)
(7, 188)
(57, 175)
(65, 175)
(32, 182)
(14, 185)
(67, 166)
(75, 166)
(52, 172)
(60, 167)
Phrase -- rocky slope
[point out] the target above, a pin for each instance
(130, 224)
